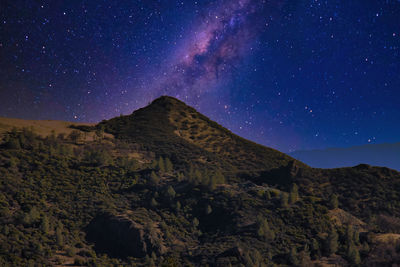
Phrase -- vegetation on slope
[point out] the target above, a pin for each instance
(169, 127)
(145, 198)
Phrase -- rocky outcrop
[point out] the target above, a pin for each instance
(121, 237)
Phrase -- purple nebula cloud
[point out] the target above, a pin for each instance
(210, 53)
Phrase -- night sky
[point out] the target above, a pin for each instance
(287, 74)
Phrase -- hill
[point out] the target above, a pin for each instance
(387, 155)
(149, 190)
(170, 128)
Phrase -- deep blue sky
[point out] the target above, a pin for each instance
(288, 74)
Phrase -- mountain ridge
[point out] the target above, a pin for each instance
(387, 154)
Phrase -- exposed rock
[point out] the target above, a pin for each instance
(119, 236)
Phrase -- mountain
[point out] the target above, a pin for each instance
(166, 186)
(170, 128)
(387, 155)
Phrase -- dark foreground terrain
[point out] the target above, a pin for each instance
(165, 186)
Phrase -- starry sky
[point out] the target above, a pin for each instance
(291, 75)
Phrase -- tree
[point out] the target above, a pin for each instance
(353, 254)
(304, 258)
(44, 226)
(154, 179)
(208, 209)
(178, 206)
(349, 235)
(332, 242)
(180, 177)
(267, 195)
(294, 194)
(59, 235)
(334, 201)
(99, 158)
(168, 165)
(356, 237)
(13, 162)
(170, 192)
(219, 177)
(13, 143)
(161, 165)
(153, 203)
(284, 200)
(264, 230)
(315, 249)
(195, 222)
(293, 256)
(212, 183)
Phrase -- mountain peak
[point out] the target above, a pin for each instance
(166, 99)
(167, 103)
(171, 128)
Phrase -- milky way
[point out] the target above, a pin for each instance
(216, 44)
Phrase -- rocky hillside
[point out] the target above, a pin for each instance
(171, 128)
(165, 186)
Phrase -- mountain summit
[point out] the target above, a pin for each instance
(171, 128)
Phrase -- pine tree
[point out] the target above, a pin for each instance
(59, 235)
(13, 143)
(294, 194)
(161, 165)
(208, 209)
(153, 203)
(168, 165)
(356, 237)
(334, 201)
(264, 230)
(349, 235)
(154, 179)
(44, 226)
(267, 195)
(315, 249)
(178, 206)
(212, 183)
(195, 222)
(171, 192)
(293, 256)
(219, 177)
(332, 242)
(197, 178)
(353, 254)
(284, 200)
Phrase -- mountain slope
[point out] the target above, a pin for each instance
(42, 127)
(170, 128)
(387, 155)
(171, 188)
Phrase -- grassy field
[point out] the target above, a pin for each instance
(41, 127)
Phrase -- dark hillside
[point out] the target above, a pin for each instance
(170, 128)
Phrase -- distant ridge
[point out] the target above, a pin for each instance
(387, 155)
